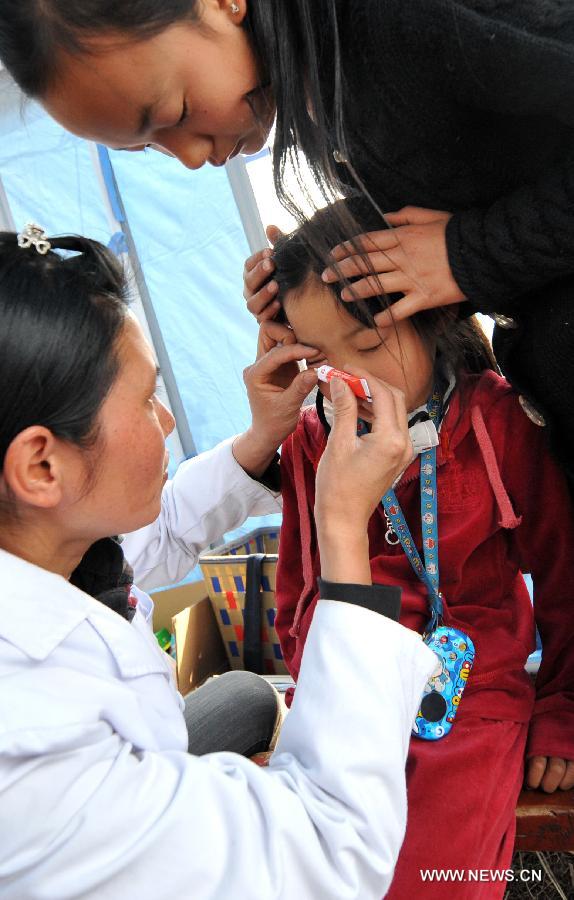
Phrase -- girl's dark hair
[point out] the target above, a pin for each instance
(60, 316)
(460, 341)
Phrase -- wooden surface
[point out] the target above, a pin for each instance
(545, 821)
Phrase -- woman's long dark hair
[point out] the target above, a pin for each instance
(60, 316)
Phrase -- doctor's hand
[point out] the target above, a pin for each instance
(259, 291)
(410, 258)
(353, 475)
(276, 390)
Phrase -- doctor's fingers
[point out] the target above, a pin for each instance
(271, 334)
(274, 359)
(390, 425)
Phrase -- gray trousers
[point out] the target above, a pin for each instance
(236, 711)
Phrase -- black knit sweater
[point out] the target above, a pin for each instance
(468, 106)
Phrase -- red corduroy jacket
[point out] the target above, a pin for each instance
(503, 509)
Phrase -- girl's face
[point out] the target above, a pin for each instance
(130, 456)
(191, 91)
(402, 360)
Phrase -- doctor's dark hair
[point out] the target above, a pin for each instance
(60, 317)
(305, 252)
(294, 42)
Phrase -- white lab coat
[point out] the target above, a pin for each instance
(98, 796)
(210, 494)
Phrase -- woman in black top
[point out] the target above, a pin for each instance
(460, 106)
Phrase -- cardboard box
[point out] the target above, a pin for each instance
(168, 603)
(187, 613)
(199, 648)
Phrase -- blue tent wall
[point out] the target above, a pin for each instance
(192, 248)
(49, 177)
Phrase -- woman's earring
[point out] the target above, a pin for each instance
(234, 8)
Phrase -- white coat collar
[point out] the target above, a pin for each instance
(39, 610)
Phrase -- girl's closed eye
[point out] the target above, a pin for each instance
(371, 349)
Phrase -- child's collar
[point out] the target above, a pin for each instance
(422, 431)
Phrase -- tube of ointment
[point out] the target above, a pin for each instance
(359, 386)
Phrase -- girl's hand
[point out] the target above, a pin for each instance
(354, 473)
(261, 299)
(550, 773)
(276, 389)
(410, 258)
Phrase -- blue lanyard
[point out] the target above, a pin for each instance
(429, 572)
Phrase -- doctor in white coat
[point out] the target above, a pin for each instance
(98, 795)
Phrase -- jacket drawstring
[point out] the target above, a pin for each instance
(305, 533)
(508, 518)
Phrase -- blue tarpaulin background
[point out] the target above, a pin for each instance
(191, 247)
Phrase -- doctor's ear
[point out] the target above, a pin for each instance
(33, 469)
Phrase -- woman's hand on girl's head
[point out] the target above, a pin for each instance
(258, 291)
(354, 473)
(276, 390)
(410, 258)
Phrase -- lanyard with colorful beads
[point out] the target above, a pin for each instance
(429, 572)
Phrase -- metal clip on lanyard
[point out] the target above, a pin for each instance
(429, 572)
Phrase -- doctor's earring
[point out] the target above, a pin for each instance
(234, 8)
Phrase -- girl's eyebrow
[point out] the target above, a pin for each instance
(358, 330)
(350, 334)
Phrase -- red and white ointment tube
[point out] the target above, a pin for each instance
(359, 386)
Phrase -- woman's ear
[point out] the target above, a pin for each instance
(237, 9)
(33, 470)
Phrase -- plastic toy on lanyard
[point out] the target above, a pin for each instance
(443, 691)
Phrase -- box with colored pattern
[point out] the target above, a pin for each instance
(224, 570)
